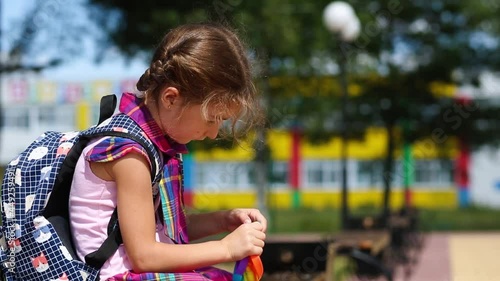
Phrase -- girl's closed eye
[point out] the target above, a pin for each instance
(216, 120)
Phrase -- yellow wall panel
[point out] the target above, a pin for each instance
(242, 152)
(82, 116)
(373, 146)
(280, 200)
(434, 147)
(422, 198)
(320, 200)
(280, 143)
(214, 201)
(447, 198)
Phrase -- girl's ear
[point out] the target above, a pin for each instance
(169, 96)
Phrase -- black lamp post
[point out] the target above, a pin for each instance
(340, 19)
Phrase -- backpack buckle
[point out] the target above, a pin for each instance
(7, 262)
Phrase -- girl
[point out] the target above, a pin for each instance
(199, 76)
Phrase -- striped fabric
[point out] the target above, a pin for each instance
(203, 274)
(170, 187)
(171, 193)
(112, 148)
(137, 110)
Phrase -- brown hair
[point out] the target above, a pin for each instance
(208, 64)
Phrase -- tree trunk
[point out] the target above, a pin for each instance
(387, 171)
(261, 165)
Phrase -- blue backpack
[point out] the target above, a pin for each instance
(36, 242)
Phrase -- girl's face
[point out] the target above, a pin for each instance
(184, 123)
(191, 124)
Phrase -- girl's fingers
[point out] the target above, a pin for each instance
(257, 225)
(259, 242)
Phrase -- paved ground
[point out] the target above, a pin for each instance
(457, 257)
(470, 256)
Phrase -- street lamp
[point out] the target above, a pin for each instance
(340, 19)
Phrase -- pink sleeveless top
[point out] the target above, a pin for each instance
(91, 204)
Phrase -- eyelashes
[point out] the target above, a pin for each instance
(216, 120)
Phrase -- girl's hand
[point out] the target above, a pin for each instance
(232, 219)
(246, 240)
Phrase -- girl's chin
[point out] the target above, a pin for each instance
(176, 140)
(182, 141)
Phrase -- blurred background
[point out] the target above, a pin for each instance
(373, 107)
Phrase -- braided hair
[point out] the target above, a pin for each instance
(208, 64)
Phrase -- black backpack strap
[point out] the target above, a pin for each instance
(114, 239)
(107, 107)
(109, 246)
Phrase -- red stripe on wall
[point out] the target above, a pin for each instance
(295, 160)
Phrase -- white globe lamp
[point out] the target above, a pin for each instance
(339, 18)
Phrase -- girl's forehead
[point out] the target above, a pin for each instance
(224, 111)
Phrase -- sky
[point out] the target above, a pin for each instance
(80, 68)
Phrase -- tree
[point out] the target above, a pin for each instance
(138, 26)
(406, 48)
(50, 26)
(421, 44)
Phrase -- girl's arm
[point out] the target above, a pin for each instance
(205, 224)
(137, 224)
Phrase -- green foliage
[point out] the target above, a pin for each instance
(404, 47)
(469, 219)
(304, 220)
(328, 220)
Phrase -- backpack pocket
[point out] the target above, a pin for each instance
(47, 258)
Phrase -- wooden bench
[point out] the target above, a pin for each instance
(311, 256)
(295, 257)
(360, 244)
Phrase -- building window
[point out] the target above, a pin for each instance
(16, 117)
(369, 173)
(321, 174)
(280, 174)
(57, 117)
(94, 115)
(47, 115)
(433, 172)
(222, 176)
(314, 173)
(397, 175)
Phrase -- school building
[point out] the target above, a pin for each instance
(224, 178)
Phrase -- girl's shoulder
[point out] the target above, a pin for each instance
(110, 148)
